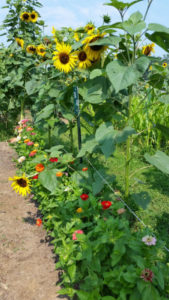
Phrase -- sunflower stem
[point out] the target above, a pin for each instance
(71, 137)
(128, 154)
(22, 110)
(49, 136)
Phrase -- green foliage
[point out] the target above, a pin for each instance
(107, 259)
(160, 160)
(122, 76)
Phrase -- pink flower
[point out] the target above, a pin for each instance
(147, 275)
(29, 129)
(32, 153)
(121, 211)
(24, 121)
(29, 143)
(33, 133)
(149, 240)
(74, 237)
(24, 125)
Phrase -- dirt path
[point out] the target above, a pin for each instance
(27, 268)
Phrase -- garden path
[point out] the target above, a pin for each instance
(27, 267)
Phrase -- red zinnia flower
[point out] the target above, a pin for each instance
(84, 197)
(84, 169)
(74, 237)
(147, 275)
(38, 222)
(106, 204)
(36, 176)
(53, 159)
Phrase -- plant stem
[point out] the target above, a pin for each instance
(22, 109)
(71, 137)
(148, 7)
(49, 135)
(128, 155)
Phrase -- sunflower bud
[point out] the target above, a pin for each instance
(106, 19)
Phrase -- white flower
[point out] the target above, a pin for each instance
(66, 189)
(149, 240)
(18, 138)
(21, 159)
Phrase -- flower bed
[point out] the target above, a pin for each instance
(100, 256)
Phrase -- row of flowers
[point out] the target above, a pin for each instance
(84, 205)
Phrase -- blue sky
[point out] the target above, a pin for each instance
(75, 13)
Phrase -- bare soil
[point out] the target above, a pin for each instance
(27, 267)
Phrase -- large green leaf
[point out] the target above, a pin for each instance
(160, 160)
(45, 112)
(141, 199)
(121, 5)
(164, 99)
(157, 27)
(150, 292)
(108, 137)
(122, 76)
(99, 183)
(105, 137)
(48, 179)
(31, 87)
(108, 41)
(95, 90)
(134, 24)
(159, 38)
(88, 147)
(134, 28)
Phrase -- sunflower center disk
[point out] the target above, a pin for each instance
(26, 16)
(64, 58)
(32, 49)
(96, 47)
(33, 16)
(82, 56)
(147, 51)
(21, 182)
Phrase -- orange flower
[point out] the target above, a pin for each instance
(26, 141)
(59, 174)
(85, 169)
(79, 210)
(39, 167)
(38, 222)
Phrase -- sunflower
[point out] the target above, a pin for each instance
(21, 184)
(83, 59)
(76, 37)
(146, 50)
(33, 16)
(164, 65)
(20, 42)
(89, 28)
(31, 49)
(41, 50)
(64, 60)
(94, 51)
(25, 16)
(53, 30)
